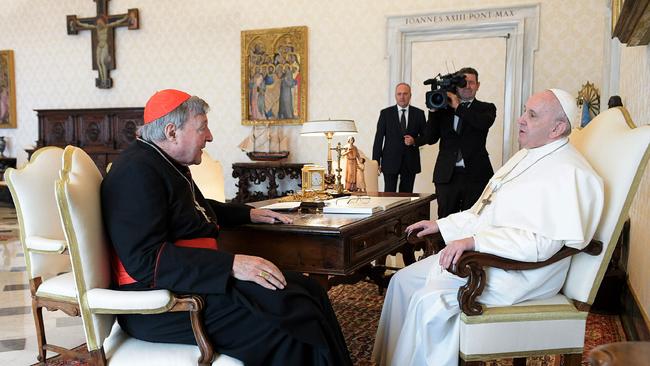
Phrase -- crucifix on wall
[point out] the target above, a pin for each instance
(103, 37)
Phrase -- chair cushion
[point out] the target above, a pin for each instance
(121, 349)
(123, 302)
(552, 326)
(45, 244)
(61, 287)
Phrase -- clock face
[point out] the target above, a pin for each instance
(316, 180)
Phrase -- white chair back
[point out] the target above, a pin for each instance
(78, 196)
(208, 176)
(619, 154)
(371, 175)
(41, 234)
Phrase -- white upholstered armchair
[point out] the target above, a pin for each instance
(48, 265)
(619, 153)
(78, 196)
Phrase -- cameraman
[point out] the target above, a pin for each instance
(400, 130)
(463, 167)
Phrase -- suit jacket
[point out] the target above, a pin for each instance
(476, 121)
(389, 149)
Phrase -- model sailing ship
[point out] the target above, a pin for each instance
(265, 143)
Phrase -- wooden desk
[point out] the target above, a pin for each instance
(325, 245)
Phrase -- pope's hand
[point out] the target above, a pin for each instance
(452, 252)
(268, 217)
(424, 227)
(258, 270)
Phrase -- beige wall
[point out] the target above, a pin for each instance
(195, 45)
(635, 92)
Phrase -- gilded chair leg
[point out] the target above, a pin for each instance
(37, 312)
(573, 359)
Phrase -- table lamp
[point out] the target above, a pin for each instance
(329, 128)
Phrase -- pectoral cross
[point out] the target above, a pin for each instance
(103, 37)
(202, 210)
(485, 198)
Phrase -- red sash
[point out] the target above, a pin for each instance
(123, 278)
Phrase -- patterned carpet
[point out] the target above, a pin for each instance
(358, 308)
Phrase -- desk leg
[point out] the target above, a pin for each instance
(322, 280)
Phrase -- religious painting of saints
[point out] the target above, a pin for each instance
(274, 76)
(7, 90)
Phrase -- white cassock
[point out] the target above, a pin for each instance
(542, 199)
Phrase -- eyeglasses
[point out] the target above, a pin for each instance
(352, 200)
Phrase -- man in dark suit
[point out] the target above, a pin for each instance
(463, 166)
(400, 131)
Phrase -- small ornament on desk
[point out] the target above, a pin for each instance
(313, 178)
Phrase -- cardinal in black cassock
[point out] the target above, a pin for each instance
(165, 236)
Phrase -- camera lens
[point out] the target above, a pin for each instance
(436, 99)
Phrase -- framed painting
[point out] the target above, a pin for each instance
(274, 75)
(7, 90)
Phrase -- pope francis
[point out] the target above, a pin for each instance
(545, 197)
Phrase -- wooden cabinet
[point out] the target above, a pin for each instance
(103, 132)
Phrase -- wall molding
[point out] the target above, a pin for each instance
(518, 24)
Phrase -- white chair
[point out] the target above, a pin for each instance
(619, 154)
(208, 176)
(48, 266)
(78, 195)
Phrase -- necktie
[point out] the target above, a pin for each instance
(460, 121)
(459, 154)
(402, 120)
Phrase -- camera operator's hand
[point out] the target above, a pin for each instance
(409, 140)
(454, 101)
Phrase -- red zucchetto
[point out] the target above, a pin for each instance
(162, 103)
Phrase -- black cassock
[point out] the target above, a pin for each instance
(148, 204)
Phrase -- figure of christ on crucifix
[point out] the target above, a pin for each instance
(103, 37)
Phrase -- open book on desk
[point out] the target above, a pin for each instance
(362, 204)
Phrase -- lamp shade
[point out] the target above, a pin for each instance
(335, 126)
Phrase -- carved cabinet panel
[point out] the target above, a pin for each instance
(103, 133)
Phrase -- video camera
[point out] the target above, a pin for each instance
(440, 85)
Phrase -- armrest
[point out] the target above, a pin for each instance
(432, 243)
(42, 244)
(106, 301)
(471, 264)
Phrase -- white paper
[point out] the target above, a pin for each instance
(282, 206)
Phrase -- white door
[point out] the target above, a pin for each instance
(488, 57)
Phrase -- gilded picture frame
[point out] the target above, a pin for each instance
(7, 90)
(274, 76)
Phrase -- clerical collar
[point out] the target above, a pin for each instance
(172, 161)
(546, 149)
(187, 176)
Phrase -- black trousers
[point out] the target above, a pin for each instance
(293, 326)
(406, 182)
(459, 194)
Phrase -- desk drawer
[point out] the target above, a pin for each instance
(364, 244)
